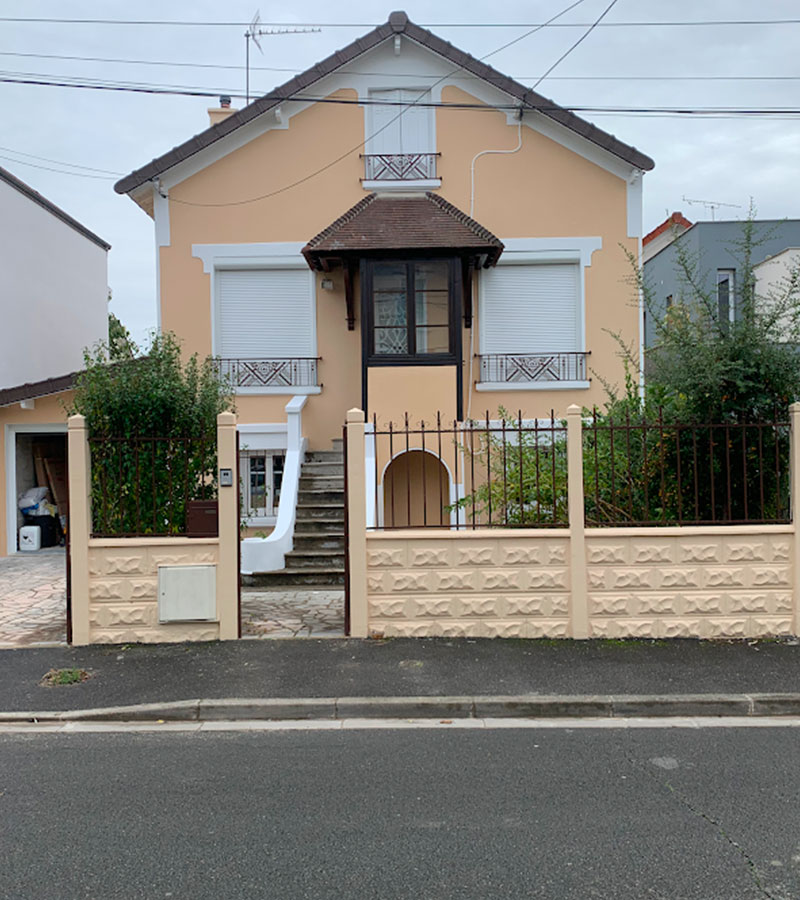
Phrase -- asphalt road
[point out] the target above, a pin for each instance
(668, 814)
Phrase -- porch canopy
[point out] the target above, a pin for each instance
(402, 225)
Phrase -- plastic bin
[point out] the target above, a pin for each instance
(30, 537)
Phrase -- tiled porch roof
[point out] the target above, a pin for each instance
(401, 223)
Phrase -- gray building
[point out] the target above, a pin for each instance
(713, 245)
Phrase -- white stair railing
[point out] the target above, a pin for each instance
(269, 554)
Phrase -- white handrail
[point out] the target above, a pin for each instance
(268, 554)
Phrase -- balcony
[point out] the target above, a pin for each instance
(504, 371)
(400, 169)
(271, 376)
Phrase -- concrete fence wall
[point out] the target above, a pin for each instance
(114, 581)
(691, 581)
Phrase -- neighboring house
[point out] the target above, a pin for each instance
(714, 246)
(400, 228)
(54, 303)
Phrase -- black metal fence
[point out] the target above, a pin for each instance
(474, 474)
(144, 486)
(514, 472)
(659, 473)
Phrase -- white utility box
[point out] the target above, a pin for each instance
(30, 537)
(187, 593)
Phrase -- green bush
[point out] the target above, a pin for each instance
(152, 432)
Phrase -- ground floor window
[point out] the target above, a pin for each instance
(261, 477)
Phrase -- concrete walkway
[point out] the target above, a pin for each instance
(33, 598)
(291, 613)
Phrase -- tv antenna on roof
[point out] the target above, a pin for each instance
(254, 32)
(711, 205)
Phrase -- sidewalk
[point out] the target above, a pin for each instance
(330, 668)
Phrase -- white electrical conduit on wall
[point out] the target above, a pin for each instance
(472, 215)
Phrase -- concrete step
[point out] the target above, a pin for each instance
(322, 483)
(320, 498)
(326, 510)
(320, 525)
(323, 540)
(326, 560)
(325, 456)
(297, 577)
(322, 468)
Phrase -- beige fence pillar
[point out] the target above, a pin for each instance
(579, 606)
(80, 525)
(794, 468)
(356, 522)
(228, 565)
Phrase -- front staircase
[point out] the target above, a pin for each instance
(317, 560)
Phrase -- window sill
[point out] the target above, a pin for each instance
(532, 385)
(288, 390)
(412, 184)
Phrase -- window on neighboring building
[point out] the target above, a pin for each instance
(669, 301)
(261, 476)
(410, 309)
(726, 295)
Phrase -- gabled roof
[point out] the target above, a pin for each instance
(37, 198)
(398, 24)
(397, 222)
(676, 220)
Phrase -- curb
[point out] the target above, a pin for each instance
(538, 706)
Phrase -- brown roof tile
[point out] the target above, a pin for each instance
(403, 222)
(398, 24)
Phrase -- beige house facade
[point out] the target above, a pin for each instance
(400, 229)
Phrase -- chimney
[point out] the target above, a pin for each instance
(217, 114)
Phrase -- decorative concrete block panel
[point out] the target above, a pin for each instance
(690, 582)
(123, 589)
(468, 584)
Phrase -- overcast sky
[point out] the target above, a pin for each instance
(727, 160)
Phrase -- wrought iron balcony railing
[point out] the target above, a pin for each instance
(399, 166)
(269, 372)
(515, 368)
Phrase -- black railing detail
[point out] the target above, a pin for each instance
(532, 367)
(399, 166)
(301, 372)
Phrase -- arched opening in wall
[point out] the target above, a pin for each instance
(416, 491)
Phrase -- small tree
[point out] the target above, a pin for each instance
(152, 428)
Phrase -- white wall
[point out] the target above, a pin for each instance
(771, 277)
(53, 292)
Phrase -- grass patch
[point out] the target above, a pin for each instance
(59, 677)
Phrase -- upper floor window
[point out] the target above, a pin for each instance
(400, 136)
(409, 304)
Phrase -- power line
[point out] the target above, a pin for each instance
(416, 76)
(679, 23)
(481, 107)
(22, 162)
(60, 162)
(577, 43)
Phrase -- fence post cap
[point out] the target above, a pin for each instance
(354, 415)
(574, 410)
(794, 408)
(76, 421)
(226, 418)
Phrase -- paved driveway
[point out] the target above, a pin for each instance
(33, 596)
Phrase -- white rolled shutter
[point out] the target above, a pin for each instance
(265, 314)
(530, 309)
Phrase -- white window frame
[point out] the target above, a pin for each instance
(249, 513)
(282, 255)
(542, 251)
(411, 184)
(730, 274)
